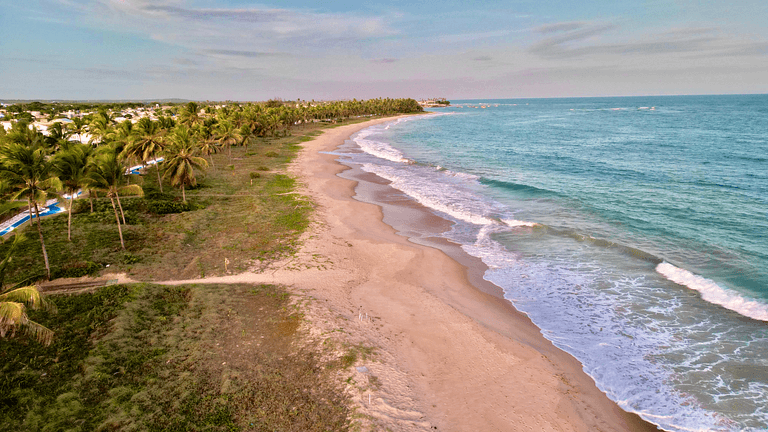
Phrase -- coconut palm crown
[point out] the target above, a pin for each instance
(183, 160)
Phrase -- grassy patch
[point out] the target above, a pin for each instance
(160, 358)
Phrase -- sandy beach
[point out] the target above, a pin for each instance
(452, 354)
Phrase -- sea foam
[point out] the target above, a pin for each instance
(713, 293)
(435, 196)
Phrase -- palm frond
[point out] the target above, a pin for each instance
(28, 295)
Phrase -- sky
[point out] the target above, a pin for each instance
(244, 50)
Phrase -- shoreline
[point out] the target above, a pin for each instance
(487, 306)
(455, 354)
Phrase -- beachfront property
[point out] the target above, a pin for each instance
(434, 103)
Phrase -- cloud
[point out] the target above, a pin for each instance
(229, 15)
(577, 40)
(384, 60)
(239, 53)
(566, 33)
(471, 37)
(483, 58)
(561, 27)
(260, 24)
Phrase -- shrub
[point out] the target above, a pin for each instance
(272, 154)
(129, 258)
(79, 269)
(167, 207)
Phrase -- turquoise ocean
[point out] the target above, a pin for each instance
(631, 230)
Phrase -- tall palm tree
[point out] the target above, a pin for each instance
(13, 314)
(78, 127)
(183, 160)
(121, 135)
(58, 136)
(107, 174)
(190, 114)
(71, 167)
(208, 147)
(26, 173)
(100, 127)
(227, 135)
(147, 143)
(247, 135)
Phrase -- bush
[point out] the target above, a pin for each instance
(156, 195)
(167, 207)
(75, 270)
(272, 154)
(129, 258)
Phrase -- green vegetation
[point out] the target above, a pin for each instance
(259, 216)
(148, 357)
(156, 358)
(14, 317)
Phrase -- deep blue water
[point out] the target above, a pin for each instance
(631, 230)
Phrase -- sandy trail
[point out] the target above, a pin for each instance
(451, 357)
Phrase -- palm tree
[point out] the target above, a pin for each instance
(13, 314)
(22, 133)
(108, 174)
(100, 126)
(146, 144)
(121, 135)
(78, 127)
(72, 166)
(26, 173)
(58, 136)
(227, 135)
(208, 147)
(189, 114)
(183, 160)
(247, 134)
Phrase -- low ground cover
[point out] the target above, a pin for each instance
(170, 358)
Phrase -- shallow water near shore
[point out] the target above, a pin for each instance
(630, 230)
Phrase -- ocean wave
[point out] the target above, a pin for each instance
(516, 223)
(713, 293)
(428, 195)
(518, 187)
(380, 149)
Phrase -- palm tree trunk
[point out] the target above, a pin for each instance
(212, 164)
(157, 167)
(117, 218)
(42, 242)
(121, 208)
(183, 194)
(69, 217)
